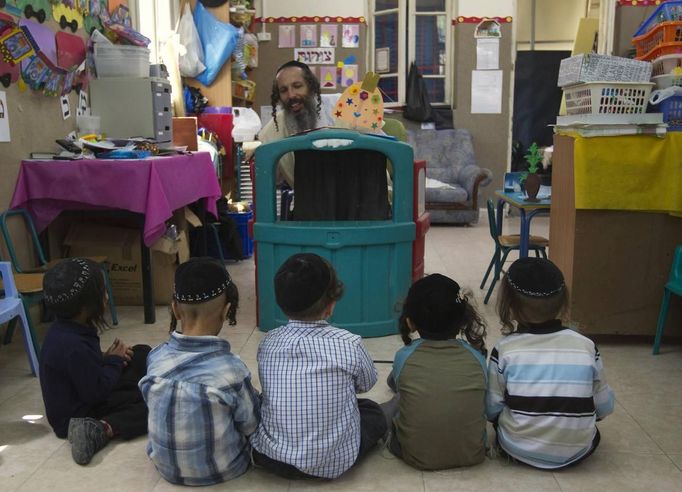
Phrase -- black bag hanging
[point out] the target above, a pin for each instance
(418, 107)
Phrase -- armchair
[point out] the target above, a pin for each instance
(453, 178)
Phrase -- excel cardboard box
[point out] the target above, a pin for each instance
(122, 247)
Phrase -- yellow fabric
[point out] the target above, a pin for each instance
(637, 172)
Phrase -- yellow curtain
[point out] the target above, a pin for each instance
(638, 172)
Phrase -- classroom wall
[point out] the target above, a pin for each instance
(288, 8)
(270, 56)
(556, 23)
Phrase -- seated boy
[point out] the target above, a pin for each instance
(312, 423)
(201, 403)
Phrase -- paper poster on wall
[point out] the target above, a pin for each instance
(328, 77)
(4, 118)
(83, 105)
(350, 75)
(315, 56)
(487, 54)
(329, 35)
(308, 36)
(351, 35)
(287, 36)
(382, 60)
(486, 91)
(66, 107)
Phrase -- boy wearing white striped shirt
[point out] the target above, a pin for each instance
(546, 382)
(312, 423)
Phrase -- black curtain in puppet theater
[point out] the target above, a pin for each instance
(536, 100)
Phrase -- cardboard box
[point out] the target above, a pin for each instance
(122, 248)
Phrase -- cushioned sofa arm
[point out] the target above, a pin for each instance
(471, 177)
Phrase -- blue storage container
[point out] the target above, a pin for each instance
(242, 220)
(373, 258)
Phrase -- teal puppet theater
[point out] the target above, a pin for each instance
(373, 258)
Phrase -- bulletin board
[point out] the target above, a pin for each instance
(489, 131)
(319, 42)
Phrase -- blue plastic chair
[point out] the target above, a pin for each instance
(504, 244)
(11, 308)
(674, 286)
(45, 265)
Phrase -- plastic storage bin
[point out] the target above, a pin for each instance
(665, 64)
(117, 60)
(667, 80)
(666, 36)
(242, 219)
(221, 125)
(668, 11)
(594, 67)
(246, 124)
(607, 98)
(373, 258)
(672, 112)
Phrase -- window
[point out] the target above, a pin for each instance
(155, 19)
(413, 30)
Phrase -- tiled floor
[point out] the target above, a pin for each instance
(641, 447)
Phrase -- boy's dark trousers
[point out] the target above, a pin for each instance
(372, 428)
(124, 409)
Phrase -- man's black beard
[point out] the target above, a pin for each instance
(305, 119)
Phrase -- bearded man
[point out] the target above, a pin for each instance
(297, 91)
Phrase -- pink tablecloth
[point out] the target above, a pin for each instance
(154, 187)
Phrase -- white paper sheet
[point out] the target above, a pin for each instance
(486, 91)
(4, 118)
(487, 54)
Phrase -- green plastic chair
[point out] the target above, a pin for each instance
(43, 263)
(674, 286)
(504, 244)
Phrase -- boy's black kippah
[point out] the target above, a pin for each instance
(200, 280)
(535, 277)
(301, 281)
(65, 280)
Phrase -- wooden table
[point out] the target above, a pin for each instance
(527, 209)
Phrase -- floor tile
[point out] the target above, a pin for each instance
(644, 425)
(492, 475)
(614, 471)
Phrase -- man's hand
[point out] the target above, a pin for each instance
(120, 349)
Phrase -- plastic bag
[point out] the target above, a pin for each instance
(239, 63)
(251, 50)
(218, 40)
(417, 105)
(192, 58)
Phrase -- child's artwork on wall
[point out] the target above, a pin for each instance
(308, 36)
(4, 118)
(329, 34)
(328, 77)
(351, 35)
(287, 36)
(349, 75)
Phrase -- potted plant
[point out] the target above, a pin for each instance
(531, 178)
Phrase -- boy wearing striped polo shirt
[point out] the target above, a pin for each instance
(547, 387)
(312, 423)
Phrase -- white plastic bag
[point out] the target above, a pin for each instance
(191, 53)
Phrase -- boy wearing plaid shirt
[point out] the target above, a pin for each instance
(202, 406)
(312, 423)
